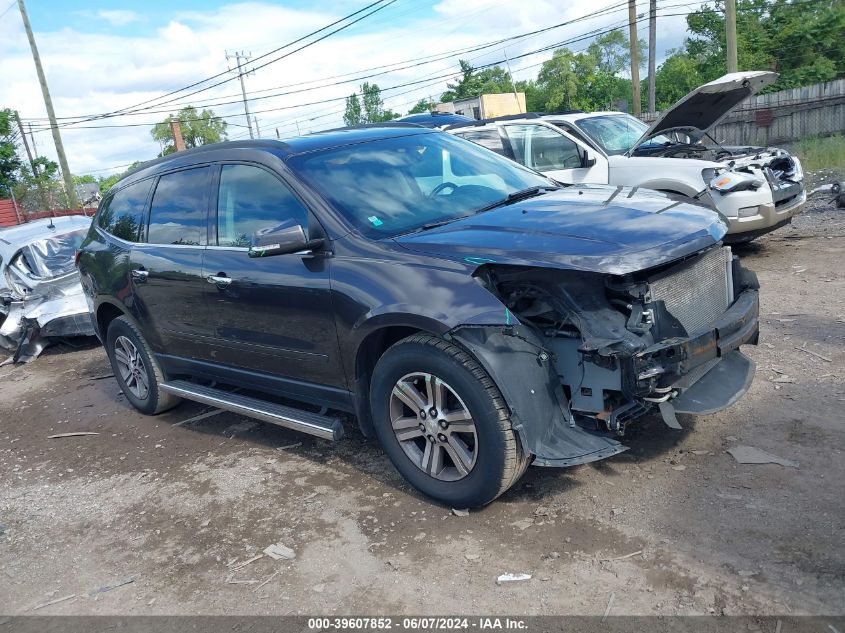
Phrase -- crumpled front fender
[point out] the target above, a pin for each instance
(524, 372)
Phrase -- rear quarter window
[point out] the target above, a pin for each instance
(178, 211)
(122, 213)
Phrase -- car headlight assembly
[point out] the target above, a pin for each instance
(731, 181)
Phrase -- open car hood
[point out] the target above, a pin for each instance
(705, 106)
(597, 228)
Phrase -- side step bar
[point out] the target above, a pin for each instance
(320, 425)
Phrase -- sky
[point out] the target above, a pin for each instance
(101, 55)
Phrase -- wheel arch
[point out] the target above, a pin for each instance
(105, 313)
(383, 332)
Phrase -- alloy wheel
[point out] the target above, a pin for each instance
(433, 426)
(131, 367)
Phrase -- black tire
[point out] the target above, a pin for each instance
(499, 458)
(155, 401)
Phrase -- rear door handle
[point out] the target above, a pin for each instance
(140, 274)
(220, 280)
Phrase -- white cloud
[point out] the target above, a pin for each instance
(92, 72)
(118, 17)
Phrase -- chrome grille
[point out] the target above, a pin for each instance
(697, 294)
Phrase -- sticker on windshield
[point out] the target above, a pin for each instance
(375, 221)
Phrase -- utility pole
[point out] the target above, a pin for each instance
(32, 139)
(51, 114)
(238, 57)
(25, 143)
(178, 141)
(257, 130)
(730, 34)
(652, 55)
(635, 58)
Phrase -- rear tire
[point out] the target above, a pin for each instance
(135, 368)
(456, 443)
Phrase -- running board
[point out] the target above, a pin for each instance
(320, 425)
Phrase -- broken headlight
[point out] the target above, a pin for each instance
(730, 181)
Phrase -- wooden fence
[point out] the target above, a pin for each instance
(784, 116)
(9, 216)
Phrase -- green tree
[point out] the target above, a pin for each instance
(107, 182)
(198, 128)
(677, 76)
(368, 109)
(473, 83)
(801, 39)
(558, 80)
(10, 164)
(353, 114)
(423, 105)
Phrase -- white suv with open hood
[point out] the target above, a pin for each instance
(757, 189)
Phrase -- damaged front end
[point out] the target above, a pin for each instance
(41, 298)
(588, 353)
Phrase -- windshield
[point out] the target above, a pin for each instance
(617, 133)
(391, 186)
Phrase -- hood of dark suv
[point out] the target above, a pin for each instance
(614, 230)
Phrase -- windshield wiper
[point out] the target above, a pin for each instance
(516, 196)
(434, 225)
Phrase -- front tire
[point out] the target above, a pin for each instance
(443, 422)
(135, 368)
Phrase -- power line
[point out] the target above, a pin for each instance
(412, 64)
(447, 75)
(383, 4)
(9, 8)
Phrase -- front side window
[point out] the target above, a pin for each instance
(122, 214)
(250, 200)
(488, 137)
(617, 133)
(388, 186)
(542, 148)
(178, 209)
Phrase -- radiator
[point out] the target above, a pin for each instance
(697, 292)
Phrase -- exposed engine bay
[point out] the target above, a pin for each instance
(621, 345)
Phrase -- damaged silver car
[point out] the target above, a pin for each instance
(41, 299)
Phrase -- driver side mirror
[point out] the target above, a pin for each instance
(284, 241)
(588, 160)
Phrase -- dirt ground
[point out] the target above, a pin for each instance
(674, 526)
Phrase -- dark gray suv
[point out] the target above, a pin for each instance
(473, 315)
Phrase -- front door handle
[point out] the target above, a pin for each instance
(220, 279)
(140, 274)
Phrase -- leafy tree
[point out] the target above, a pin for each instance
(677, 76)
(83, 180)
(10, 164)
(423, 105)
(198, 128)
(558, 80)
(107, 182)
(369, 109)
(353, 114)
(473, 83)
(800, 39)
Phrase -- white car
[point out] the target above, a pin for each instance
(41, 298)
(757, 189)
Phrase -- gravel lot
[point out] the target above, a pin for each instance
(674, 526)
